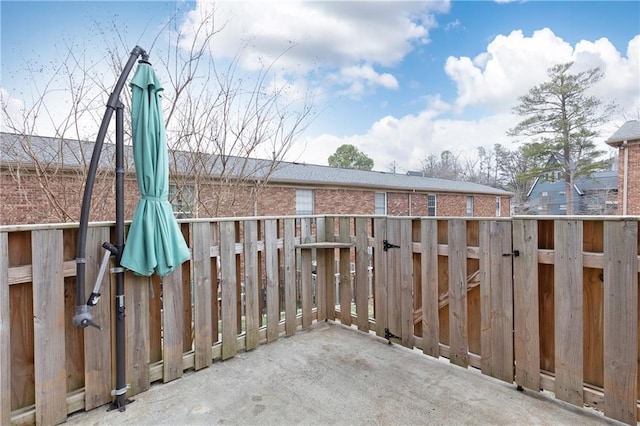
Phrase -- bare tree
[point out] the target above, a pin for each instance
(218, 122)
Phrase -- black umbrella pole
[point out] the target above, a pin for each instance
(121, 366)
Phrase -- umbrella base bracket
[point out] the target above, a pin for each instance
(120, 405)
(121, 391)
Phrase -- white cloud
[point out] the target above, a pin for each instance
(362, 79)
(334, 37)
(513, 64)
(509, 67)
(492, 80)
(410, 139)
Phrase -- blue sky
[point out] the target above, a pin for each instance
(400, 80)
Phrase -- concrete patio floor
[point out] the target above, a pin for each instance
(331, 374)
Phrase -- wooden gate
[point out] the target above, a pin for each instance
(394, 283)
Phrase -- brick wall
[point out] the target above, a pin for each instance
(27, 198)
(451, 205)
(633, 179)
(343, 201)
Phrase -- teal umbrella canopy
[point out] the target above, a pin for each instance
(154, 242)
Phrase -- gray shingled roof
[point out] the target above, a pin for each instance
(627, 132)
(73, 153)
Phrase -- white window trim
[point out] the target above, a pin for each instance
(498, 206)
(469, 211)
(313, 203)
(375, 203)
(435, 204)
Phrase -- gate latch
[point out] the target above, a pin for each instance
(386, 245)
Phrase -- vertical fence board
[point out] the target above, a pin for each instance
(362, 274)
(5, 333)
(271, 259)
(202, 294)
(172, 325)
(394, 278)
(49, 336)
(290, 293)
(525, 288)
(137, 350)
(620, 319)
(501, 277)
(330, 268)
(405, 285)
(345, 272)
(97, 343)
(229, 289)
(251, 284)
(486, 287)
(429, 279)
(380, 276)
(306, 284)
(568, 311)
(155, 319)
(187, 314)
(458, 292)
(321, 273)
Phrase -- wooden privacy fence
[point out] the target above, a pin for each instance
(550, 303)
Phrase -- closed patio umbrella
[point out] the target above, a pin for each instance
(154, 242)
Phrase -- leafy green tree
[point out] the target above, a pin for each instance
(561, 121)
(349, 157)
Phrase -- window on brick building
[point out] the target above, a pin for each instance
(381, 203)
(470, 206)
(182, 199)
(431, 205)
(304, 201)
(498, 206)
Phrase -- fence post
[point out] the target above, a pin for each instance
(5, 328)
(525, 304)
(568, 311)
(49, 326)
(620, 319)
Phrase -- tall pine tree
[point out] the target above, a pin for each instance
(561, 121)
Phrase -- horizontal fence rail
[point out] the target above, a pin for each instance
(545, 303)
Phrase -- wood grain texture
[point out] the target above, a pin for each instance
(501, 277)
(172, 325)
(321, 270)
(49, 327)
(273, 287)
(525, 288)
(345, 272)
(137, 347)
(380, 276)
(362, 274)
(568, 312)
(306, 287)
(203, 297)
(290, 293)
(458, 344)
(251, 284)
(5, 333)
(429, 280)
(405, 290)
(228, 289)
(394, 278)
(330, 268)
(621, 320)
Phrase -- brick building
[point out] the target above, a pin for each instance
(627, 140)
(42, 179)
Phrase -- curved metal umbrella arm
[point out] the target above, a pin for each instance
(112, 104)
